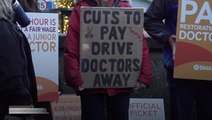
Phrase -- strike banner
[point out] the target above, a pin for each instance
(110, 46)
(193, 59)
(42, 34)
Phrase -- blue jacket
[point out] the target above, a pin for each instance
(160, 22)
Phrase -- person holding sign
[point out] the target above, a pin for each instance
(17, 77)
(95, 102)
(187, 97)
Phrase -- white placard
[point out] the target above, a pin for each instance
(42, 34)
(146, 109)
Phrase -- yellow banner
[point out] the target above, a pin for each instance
(193, 59)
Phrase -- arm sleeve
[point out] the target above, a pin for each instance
(71, 51)
(154, 20)
(11, 62)
(146, 66)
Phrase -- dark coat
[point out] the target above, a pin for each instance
(160, 22)
(16, 65)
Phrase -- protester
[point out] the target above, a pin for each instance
(94, 102)
(188, 98)
(17, 77)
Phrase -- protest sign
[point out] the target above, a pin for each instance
(146, 109)
(193, 59)
(110, 46)
(42, 34)
(68, 107)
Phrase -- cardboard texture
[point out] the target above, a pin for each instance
(110, 46)
(66, 108)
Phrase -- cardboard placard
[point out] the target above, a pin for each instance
(110, 46)
(66, 108)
